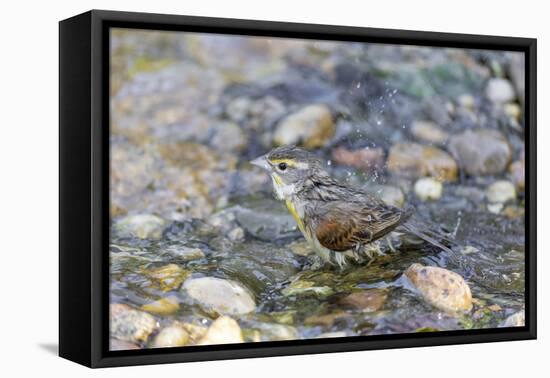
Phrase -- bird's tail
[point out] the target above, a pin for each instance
(434, 238)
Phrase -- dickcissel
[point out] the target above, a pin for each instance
(339, 222)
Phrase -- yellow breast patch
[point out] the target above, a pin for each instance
(292, 210)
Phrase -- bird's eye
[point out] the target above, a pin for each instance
(282, 166)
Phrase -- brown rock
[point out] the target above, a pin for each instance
(365, 159)
(415, 160)
(325, 320)
(427, 131)
(367, 300)
(168, 277)
(163, 306)
(311, 126)
(441, 288)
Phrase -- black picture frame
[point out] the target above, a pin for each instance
(84, 187)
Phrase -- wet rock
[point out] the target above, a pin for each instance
(115, 344)
(414, 161)
(223, 330)
(300, 287)
(301, 248)
(174, 335)
(128, 324)
(186, 253)
(195, 332)
(501, 191)
(168, 277)
(276, 332)
(426, 131)
(236, 234)
(515, 320)
(219, 295)
(365, 158)
(366, 301)
(441, 288)
(163, 306)
(326, 320)
(517, 171)
(499, 91)
(481, 151)
(143, 226)
(428, 189)
(311, 126)
(268, 222)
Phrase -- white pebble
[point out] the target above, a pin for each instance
(428, 188)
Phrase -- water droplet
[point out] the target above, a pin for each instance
(358, 85)
(329, 163)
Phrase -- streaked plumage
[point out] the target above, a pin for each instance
(338, 220)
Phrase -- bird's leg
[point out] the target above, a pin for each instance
(340, 259)
(390, 245)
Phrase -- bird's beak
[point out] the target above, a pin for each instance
(261, 162)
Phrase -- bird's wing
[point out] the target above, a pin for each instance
(345, 225)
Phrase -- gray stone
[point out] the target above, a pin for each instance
(515, 320)
(131, 325)
(481, 151)
(266, 222)
(500, 91)
(143, 226)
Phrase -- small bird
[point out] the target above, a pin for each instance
(338, 221)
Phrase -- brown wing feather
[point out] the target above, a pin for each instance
(342, 229)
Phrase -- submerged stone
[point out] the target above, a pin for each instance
(223, 330)
(515, 320)
(369, 300)
(163, 306)
(222, 296)
(173, 335)
(131, 325)
(306, 287)
(143, 226)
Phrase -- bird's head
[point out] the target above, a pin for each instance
(289, 167)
